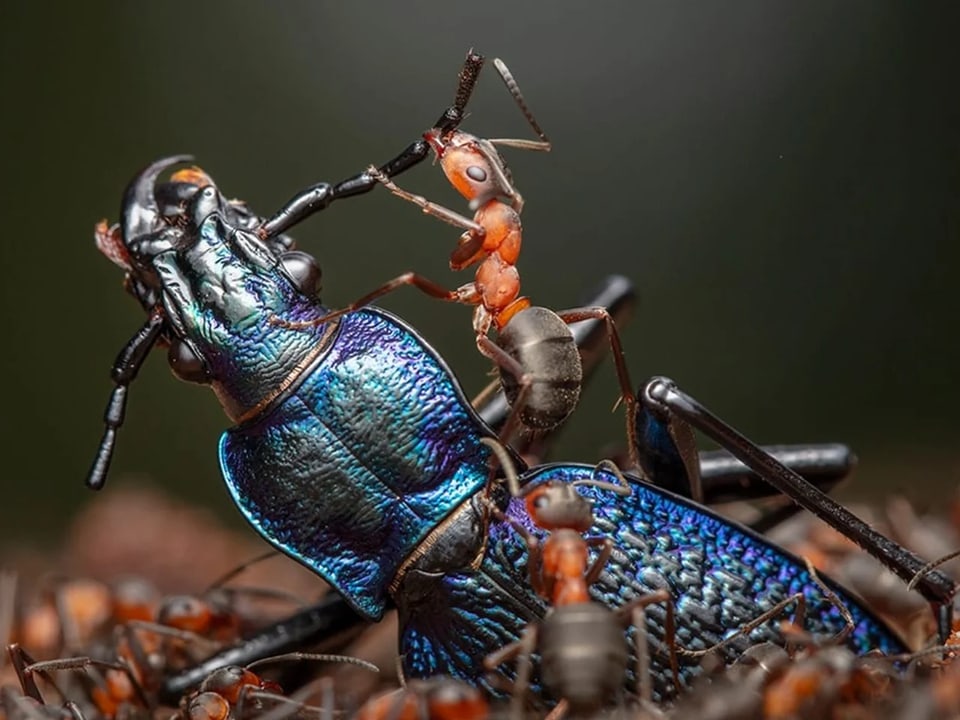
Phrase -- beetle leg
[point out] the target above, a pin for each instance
(125, 369)
(665, 398)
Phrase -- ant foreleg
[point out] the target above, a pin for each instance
(318, 197)
(424, 285)
(438, 211)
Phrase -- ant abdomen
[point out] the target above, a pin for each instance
(544, 346)
(583, 654)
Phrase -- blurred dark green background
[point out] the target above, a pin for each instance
(781, 181)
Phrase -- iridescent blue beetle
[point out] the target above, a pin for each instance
(356, 453)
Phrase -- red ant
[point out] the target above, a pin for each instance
(226, 691)
(436, 698)
(477, 171)
(581, 642)
(150, 636)
(221, 695)
(583, 654)
(541, 370)
(116, 689)
(69, 613)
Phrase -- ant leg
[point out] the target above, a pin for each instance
(635, 610)
(314, 657)
(617, 294)
(451, 217)
(747, 628)
(21, 660)
(522, 649)
(848, 626)
(124, 372)
(75, 712)
(798, 620)
(596, 567)
(644, 690)
(8, 607)
(616, 347)
(620, 487)
(506, 363)
(424, 285)
(522, 144)
(151, 674)
(82, 663)
(318, 197)
(186, 636)
(534, 550)
(665, 398)
(559, 711)
(933, 564)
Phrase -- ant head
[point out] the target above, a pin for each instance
(474, 167)
(556, 505)
(228, 682)
(207, 706)
(185, 612)
(450, 698)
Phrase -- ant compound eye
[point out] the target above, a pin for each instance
(541, 502)
(476, 173)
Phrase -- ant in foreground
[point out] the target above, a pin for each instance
(582, 647)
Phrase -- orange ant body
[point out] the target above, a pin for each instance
(560, 567)
(494, 235)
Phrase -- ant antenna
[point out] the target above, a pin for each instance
(544, 143)
(506, 464)
(621, 487)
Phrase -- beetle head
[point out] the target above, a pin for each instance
(189, 249)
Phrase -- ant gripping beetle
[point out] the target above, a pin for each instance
(535, 350)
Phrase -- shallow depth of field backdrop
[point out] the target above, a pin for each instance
(780, 180)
